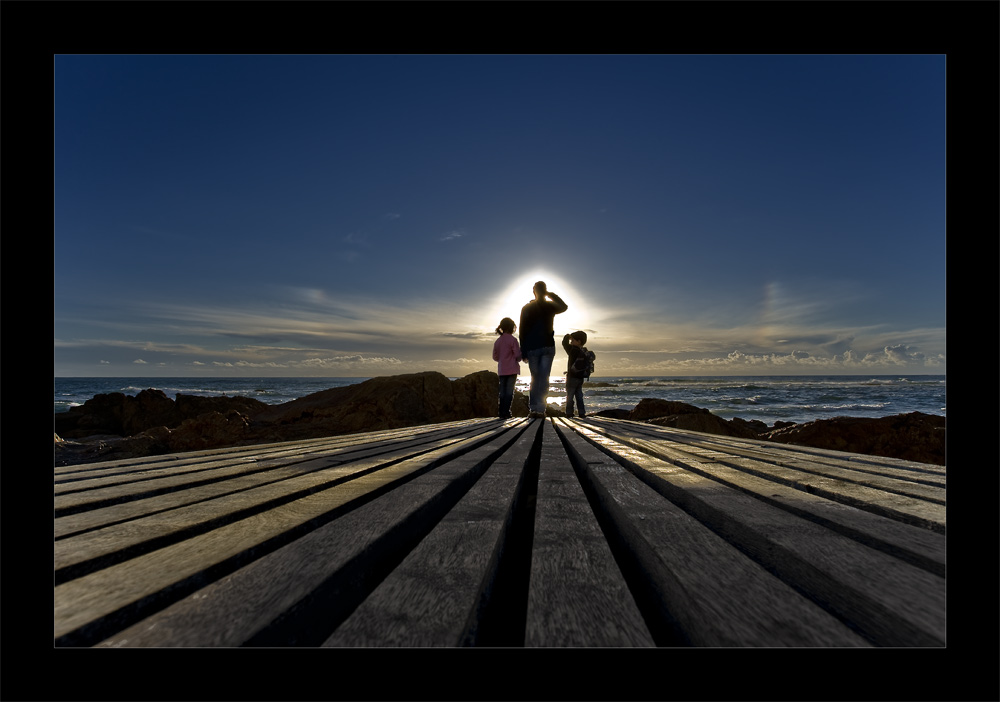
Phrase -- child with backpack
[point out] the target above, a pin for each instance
(507, 354)
(579, 368)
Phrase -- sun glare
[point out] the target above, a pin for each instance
(518, 294)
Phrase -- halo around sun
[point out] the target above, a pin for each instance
(519, 293)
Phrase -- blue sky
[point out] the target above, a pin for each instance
(360, 215)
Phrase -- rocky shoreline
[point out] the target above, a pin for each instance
(115, 426)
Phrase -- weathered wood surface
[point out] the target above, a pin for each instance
(535, 533)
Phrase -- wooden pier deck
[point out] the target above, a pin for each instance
(523, 533)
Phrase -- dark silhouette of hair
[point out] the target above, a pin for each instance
(506, 325)
(541, 287)
(580, 336)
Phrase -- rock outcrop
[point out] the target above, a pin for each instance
(386, 402)
(651, 408)
(124, 415)
(914, 436)
(681, 415)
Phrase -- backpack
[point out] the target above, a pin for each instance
(583, 366)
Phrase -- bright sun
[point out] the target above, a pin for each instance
(518, 294)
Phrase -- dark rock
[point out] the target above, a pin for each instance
(206, 431)
(914, 436)
(614, 413)
(380, 403)
(210, 430)
(152, 442)
(150, 408)
(706, 422)
(99, 447)
(649, 408)
(193, 406)
(519, 405)
(755, 426)
(680, 415)
(475, 395)
(554, 411)
(123, 415)
(101, 414)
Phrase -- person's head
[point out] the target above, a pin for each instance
(506, 325)
(540, 288)
(579, 336)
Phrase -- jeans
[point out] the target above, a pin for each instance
(574, 391)
(539, 365)
(507, 383)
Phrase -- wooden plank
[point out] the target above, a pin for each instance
(577, 596)
(914, 544)
(126, 505)
(674, 538)
(437, 595)
(911, 510)
(293, 595)
(123, 465)
(139, 475)
(702, 587)
(930, 473)
(89, 494)
(204, 509)
(135, 468)
(98, 604)
(932, 490)
(891, 602)
(857, 467)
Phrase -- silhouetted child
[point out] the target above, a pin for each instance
(507, 354)
(577, 370)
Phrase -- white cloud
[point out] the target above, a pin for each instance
(350, 360)
(900, 353)
(888, 359)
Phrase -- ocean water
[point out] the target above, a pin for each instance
(765, 398)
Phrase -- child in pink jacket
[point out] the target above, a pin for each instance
(507, 354)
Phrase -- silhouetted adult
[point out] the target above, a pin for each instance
(538, 343)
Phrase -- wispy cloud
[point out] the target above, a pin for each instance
(476, 335)
(352, 360)
(355, 239)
